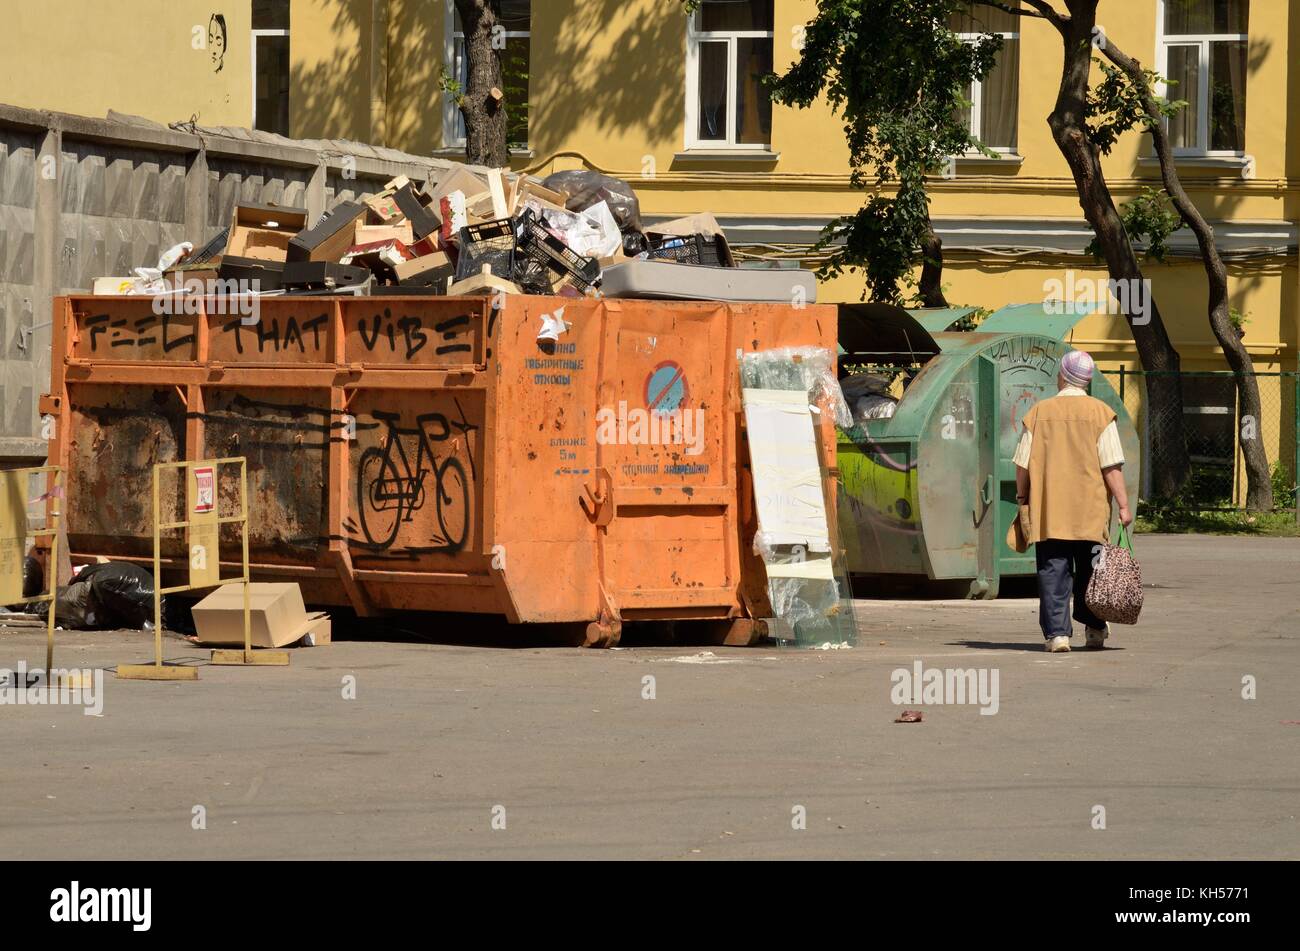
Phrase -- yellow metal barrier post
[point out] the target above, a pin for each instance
(14, 507)
(202, 523)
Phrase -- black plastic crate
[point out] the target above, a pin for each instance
(696, 249)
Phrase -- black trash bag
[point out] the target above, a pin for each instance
(33, 578)
(123, 593)
(75, 607)
(582, 189)
(113, 596)
(33, 585)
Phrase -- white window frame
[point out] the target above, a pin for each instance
(977, 92)
(694, 37)
(1163, 43)
(253, 65)
(452, 120)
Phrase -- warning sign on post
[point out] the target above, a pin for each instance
(203, 538)
(205, 490)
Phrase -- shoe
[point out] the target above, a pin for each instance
(1096, 637)
(1057, 645)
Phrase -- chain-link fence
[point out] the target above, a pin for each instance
(1217, 478)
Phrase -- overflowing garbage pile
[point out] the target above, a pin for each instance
(575, 233)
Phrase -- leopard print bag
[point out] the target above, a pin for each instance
(1115, 588)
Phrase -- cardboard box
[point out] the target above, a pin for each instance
(320, 634)
(268, 275)
(528, 188)
(277, 617)
(263, 232)
(177, 278)
(320, 275)
(432, 270)
(423, 220)
(330, 237)
(459, 179)
(369, 234)
(111, 286)
(383, 208)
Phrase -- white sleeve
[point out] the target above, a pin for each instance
(1109, 451)
(1021, 457)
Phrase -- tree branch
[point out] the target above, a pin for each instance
(1014, 11)
(1043, 10)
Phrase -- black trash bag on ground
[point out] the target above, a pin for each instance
(123, 592)
(75, 607)
(582, 189)
(112, 596)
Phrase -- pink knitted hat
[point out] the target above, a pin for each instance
(1076, 368)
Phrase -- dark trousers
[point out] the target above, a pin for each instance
(1064, 566)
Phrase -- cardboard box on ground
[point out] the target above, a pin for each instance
(277, 617)
(471, 231)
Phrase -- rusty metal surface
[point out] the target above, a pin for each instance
(432, 453)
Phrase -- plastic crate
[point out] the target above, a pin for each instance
(696, 249)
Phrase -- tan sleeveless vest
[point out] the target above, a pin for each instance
(1067, 497)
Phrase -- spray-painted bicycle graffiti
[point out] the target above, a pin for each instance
(393, 482)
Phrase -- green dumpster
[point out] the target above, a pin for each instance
(930, 490)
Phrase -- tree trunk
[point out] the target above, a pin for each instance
(1169, 460)
(485, 115)
(930, 289)
(1259, 491)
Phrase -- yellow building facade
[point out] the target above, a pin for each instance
(636, 89)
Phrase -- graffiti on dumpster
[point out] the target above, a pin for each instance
(150, 330)
(267, 334)
(1025, 353)
(424, 468)
(408, 335)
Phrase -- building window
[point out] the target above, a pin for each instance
(994, 108)
(516, 19)
(728, 51)
(1204, 47)
(271, 66)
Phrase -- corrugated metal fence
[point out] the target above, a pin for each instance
(84, 198)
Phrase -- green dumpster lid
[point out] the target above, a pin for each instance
(884, 332)
(938, 319)
(1047, 319)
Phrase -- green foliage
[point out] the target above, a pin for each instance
(896, 75)
(1238, 318)
(972, 320)
(1284, 486)
(450, 86)
(1149, 217)
(1191, 521)
(1116, 105)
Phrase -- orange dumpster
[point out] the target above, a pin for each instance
(545, 459)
